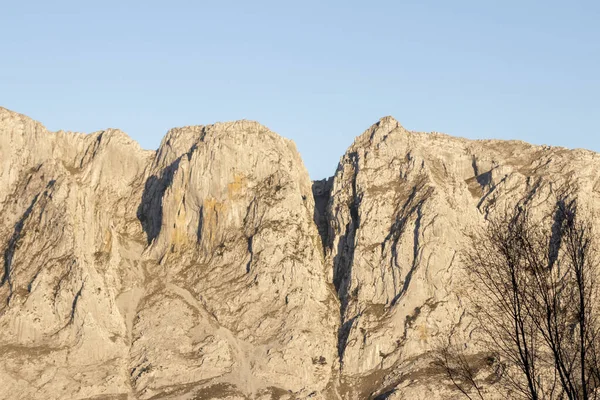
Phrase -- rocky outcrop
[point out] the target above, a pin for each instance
(402, 204)
(214, 268)
(132, 274)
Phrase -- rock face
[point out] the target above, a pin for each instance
(132, 274)
(214, 268)
(401, 206)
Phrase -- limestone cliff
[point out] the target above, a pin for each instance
(214, 268)
(402, 204)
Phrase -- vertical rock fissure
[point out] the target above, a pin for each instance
(416, 253)
(150, 210)
(344, 260)
(12, 247)
(321, 195)
(74, 304)
(251, 252)
(200, 225)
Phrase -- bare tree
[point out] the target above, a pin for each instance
(460, 370)
(535, 297)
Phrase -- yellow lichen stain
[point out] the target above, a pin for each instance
(235, 188)
(423, 332)
(212, 210)
(107, 242)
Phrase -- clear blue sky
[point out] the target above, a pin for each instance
(318, 72)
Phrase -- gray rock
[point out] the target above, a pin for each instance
(214, 268)
(134, 274)
(401, 206)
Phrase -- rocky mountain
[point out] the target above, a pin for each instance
(213, 268)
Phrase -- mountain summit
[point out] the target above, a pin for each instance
(208, 270)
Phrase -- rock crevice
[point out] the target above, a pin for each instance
(214, 268)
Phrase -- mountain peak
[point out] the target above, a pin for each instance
(213, 268)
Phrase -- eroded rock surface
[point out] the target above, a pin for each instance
(195, 270)
(401, 206)
(214, 268)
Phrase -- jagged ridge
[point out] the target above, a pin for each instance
(213, 267)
